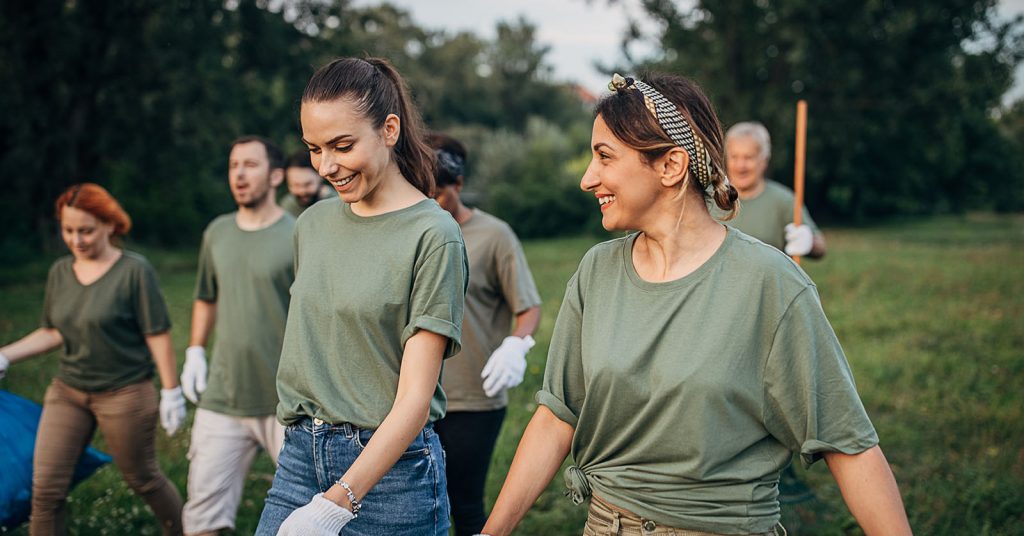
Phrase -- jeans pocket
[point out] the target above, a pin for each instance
(417, 449)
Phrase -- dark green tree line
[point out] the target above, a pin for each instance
(902, 95)
(144, 96)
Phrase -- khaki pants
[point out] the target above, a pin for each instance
(222, 450)
(127, 418)
(605, 519)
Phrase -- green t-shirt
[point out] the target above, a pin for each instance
(248, 274)
(292, 206)
(104, 324)
(688, 397)
(765, 217)
(363, 286)
(500, 286)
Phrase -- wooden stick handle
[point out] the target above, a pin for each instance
(798, 168)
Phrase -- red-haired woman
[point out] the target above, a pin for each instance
(103, 305)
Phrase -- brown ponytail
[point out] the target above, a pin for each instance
(379, 90)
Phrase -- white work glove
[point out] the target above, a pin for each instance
(506, 366)
(172, 409)
(321, 517)
(193, 374)
(799, 239)
(4, 363)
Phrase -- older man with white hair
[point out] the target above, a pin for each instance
(766, 207)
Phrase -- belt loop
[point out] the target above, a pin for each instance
(350, 430)
(615, 523)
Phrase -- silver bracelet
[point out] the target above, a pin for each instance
(356, 505)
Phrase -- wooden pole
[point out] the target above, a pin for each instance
(798, 168)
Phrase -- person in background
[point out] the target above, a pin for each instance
(103, 306)
(688, 360)
(501, 296)
(380, 279)
(305, 185)
(766, 207)
(245, 271)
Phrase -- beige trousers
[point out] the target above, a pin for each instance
(606, 519)
(127, 417)
(222, 450)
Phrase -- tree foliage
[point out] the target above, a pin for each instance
(144, 96)
(901, 94)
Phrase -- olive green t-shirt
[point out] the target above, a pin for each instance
(247, 274)
(104, 324)
(292, 206)
(688, 397)
(765, 217)
(500, 287)
(363, 286)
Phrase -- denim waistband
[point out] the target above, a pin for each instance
(314, 425)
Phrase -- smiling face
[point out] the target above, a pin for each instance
(249, 174)
(625, 185)
(745, 163)
(86, 236)
(347, 150)
(303, 184)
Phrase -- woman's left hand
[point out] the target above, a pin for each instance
(172, 409)
(321, 517)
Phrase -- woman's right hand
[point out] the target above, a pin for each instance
(4, 363)
(321, 517)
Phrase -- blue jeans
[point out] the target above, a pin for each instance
(411, 499)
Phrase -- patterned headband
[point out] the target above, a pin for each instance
(674, 124)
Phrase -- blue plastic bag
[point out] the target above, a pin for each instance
(19, 420)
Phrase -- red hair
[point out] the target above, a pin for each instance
(97, 201)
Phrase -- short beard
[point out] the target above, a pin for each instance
(256, 201)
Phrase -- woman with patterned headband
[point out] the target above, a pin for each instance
(688, 360)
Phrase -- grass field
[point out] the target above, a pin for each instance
(930, 313)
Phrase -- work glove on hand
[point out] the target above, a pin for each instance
(172, 409)
(321, 517)
(4, 363)
(799, 239)
(193, 374)
(506, 366)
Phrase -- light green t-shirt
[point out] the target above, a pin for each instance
(688, 397)
(765, 217)
(363, 286)
(104, 324)
(292, 206)
(500, 286)
(248, 274)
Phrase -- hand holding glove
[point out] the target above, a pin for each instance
(799, 239)
(193, 374)
(321, 517)
(506, 366)
(172, 409)
(4, 363)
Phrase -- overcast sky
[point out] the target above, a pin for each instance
(579, 32)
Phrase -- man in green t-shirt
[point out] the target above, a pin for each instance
(766, 207)
(305, 185)
(245, 272)
(502, 312)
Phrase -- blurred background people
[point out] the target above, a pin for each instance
(766, 207)
(305, 185)
(245, 271)
(104, 307)
(502, 313)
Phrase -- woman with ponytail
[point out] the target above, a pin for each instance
(380, 279)
(104, 308)
(688, 360)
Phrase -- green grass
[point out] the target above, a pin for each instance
(930, 315)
